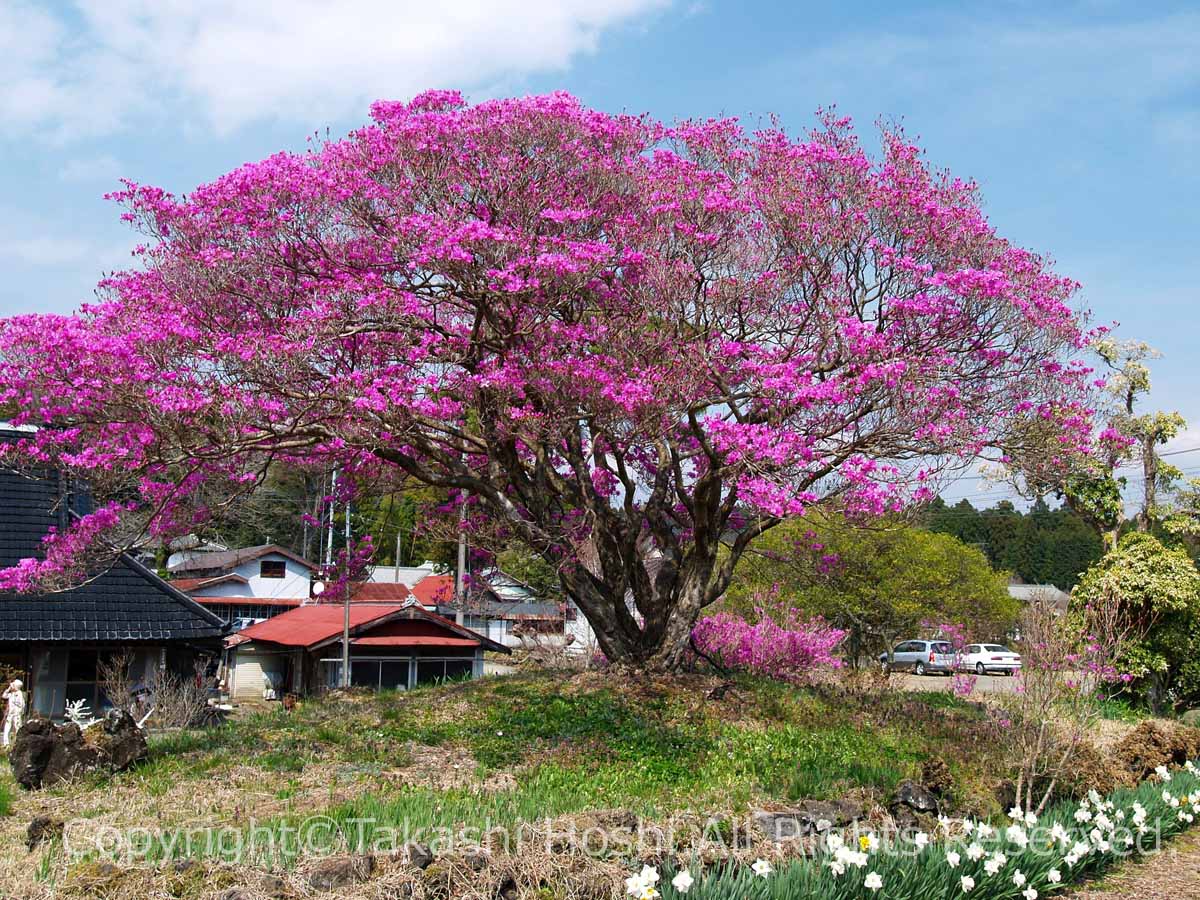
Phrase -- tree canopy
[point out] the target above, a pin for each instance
(1042, 546)
(635, 346)
(1157, 591)
(879, 583)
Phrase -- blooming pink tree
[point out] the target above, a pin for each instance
(636, 346)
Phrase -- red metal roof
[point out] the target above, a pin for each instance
(317, 622)
(379, 592)
(434, 589)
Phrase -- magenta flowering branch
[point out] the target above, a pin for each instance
(634, 346)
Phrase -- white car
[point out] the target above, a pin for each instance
(983, 658)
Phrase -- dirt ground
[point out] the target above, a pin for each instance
(1173, 874)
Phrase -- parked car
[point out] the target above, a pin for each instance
(984, 658)
(921, 657)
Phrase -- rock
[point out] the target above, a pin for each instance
(338, 871)
(183, 866)
(507, 890)
(810, 817)
(477, 860)
(42, 830)
(272, 886)
(44, 753)
(236, 893)
(914, 796)
(935, 775)
(419, 855)
(719, 692)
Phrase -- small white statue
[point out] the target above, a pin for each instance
(14, 713)
(78, 713)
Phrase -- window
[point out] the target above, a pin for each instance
(996, 648)
(272, 568)
(942, 647)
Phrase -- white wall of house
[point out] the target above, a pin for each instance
(584, 641)
(224, 589)
(294, 583)
(249, 666)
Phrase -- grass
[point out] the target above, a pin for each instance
(1121, 709)
(589, 743)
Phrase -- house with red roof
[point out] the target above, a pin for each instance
(393, 646)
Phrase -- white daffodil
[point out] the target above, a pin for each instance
(1016, 835)
(1093, 796)
(975, 852)
(968, 826)
(1161, 772)
(984, 830)
(952, 859)
(944, 823)
(834, 842)
(1059, 834)
(1029, 893)
(1016, 814)
(995, 863)
(837, 868)
(1166, 796)
(873, 881)
(1054, 876)
(649, 875)
(683, 881)
(761, 868)
(1019, 878)
(1083, 814)
(1030, 820)
(920, 840)
(968, 884)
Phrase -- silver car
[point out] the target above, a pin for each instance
(921, 657)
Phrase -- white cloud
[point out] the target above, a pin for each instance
(102, 168)
(106, 63)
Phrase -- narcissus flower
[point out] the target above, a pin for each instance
(683, 881)
(761, 868)
(873, 881)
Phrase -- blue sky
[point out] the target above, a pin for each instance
(1081, 121)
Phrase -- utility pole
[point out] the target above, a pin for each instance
(460, 597)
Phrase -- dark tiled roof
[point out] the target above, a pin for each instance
(126, 603)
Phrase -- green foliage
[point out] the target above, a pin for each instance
(6, 797)
(1043, 546)
(1158, 589)
(878, 583)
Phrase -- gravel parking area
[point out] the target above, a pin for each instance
(986, 684)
